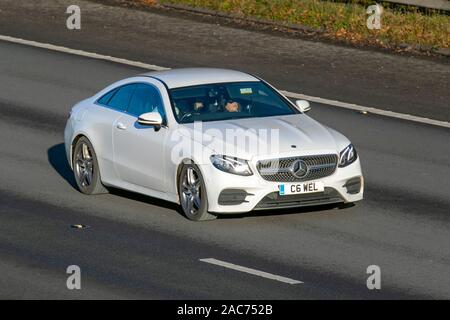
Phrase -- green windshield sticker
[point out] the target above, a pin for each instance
(246, 91)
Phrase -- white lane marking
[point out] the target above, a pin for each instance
(367, 109)
(294, 95)
(83, 53)
(249, 270)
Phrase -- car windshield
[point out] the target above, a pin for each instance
(224, 101)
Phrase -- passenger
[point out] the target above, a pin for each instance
(232, 106)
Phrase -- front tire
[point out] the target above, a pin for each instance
(86, 169)
(192, 192)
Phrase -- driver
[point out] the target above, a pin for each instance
(198, 106)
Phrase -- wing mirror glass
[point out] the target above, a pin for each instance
(303, 105)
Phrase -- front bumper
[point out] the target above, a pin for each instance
(247, 193)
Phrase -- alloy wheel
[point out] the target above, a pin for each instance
(191, 193)
(84, 166)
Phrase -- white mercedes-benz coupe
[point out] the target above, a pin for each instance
(212, 140)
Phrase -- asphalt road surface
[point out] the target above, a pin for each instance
(371, 78)
(139, 247)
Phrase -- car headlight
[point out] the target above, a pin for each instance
(231, 165)
(347, 156)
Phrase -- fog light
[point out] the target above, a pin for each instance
(230, 197)
(353, 185)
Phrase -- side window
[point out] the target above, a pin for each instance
(122, 97)
(106, 97)
(146, 98)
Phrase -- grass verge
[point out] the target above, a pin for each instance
(400, 26)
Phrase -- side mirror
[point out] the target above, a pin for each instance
(303, 105)
(150, 119)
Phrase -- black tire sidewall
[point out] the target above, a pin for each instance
(96, 171)
(201, 213)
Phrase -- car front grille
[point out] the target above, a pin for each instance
(279, 170)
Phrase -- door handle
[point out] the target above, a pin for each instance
(121, 126)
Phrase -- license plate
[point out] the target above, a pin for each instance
(300, 188)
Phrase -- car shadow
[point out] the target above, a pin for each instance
(58, 160)
(283, 212)
(146, 199)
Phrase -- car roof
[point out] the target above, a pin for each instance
(185, 77)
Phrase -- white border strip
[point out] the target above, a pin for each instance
(250, 271)
(287, 93)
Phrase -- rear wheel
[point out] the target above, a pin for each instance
(86, 169)
(192, 193)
